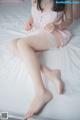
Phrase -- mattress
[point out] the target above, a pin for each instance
(16, 85)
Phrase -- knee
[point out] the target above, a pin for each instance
(13, 44)
(22, 43)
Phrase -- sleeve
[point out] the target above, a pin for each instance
(59, 18)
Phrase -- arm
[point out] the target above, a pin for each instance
(51, 27)
(30, 19)
(29, 23)
(54, 25)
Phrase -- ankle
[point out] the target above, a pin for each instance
(40, 92)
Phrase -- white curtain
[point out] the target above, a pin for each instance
(76, 10)
(11, 1)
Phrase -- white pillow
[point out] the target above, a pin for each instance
(11, 1)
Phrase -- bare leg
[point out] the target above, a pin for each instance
(54, 76)
(26, 47)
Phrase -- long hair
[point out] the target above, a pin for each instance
(57, 6)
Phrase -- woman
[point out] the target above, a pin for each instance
(42, 41)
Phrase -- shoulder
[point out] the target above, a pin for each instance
(58, 15)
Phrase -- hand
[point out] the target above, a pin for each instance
(50, 27)
(61, 26)
(28, 25)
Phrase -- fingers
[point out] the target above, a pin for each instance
(50, 27)
(28, 27)
(62, 26)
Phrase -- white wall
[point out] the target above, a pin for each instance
(11, 1)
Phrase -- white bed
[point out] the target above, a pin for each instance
(16, 86)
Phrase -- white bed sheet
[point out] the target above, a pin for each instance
(16, 86)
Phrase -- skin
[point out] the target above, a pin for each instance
(26, 48)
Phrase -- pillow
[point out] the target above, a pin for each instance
(11, 1)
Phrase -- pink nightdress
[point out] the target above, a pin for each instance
(41, 19)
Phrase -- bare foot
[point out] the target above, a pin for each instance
(55, 76)
(59, 83)
(39, 102)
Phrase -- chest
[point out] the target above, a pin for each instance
(43, 17)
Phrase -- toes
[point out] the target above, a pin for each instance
(29, 114)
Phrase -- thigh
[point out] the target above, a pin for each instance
(38, 42)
